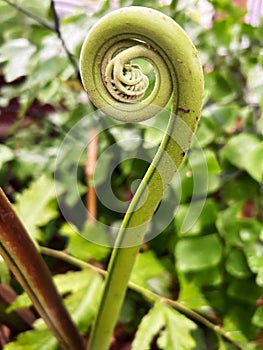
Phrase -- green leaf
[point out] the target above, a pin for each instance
(83, 303)
(81, 247)
(6, 154)
(238, 147)
(7, 13)
(82, 290)
(245, 152)
(219, 87)
(69, 282)
(214, 171)
(198, 253)
(254, 164)
(149, 327)
(103, 168)
(237, 322)
(206, 277)
(228, 225)
(34, 340)
(5, 275)
(204, 221)
(129, 311)
(245, 231)
(191, 294)
(17, 54)
(245, 290)
(212, 162)
(42, 76)
(198, 177)
(236, 190)
(75, 29)
(259, 278)
(33, 7)
(83, 293)
(74, 280)
(222, 345)
(177, 333)
(236, 264)
(157, 278)
(260, 124)
(255, 83)
(207, 131)
(257, 319)
(34, 205)
(223, 116)
(254, 254)
(20, 302)
(102, 238)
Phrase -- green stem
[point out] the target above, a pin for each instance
(23, 259)
(146, 293)
(117, 39)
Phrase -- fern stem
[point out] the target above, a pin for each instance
(106, 70)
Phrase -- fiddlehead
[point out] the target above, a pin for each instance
(116, 86)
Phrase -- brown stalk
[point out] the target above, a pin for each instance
(92, 153)
(29, 268)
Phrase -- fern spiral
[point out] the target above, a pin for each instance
(116, 85)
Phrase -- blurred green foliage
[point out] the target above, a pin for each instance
(214, 267)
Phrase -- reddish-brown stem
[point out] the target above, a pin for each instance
(92, 152)
(23, 259)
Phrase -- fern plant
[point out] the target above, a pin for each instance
(118, 90)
